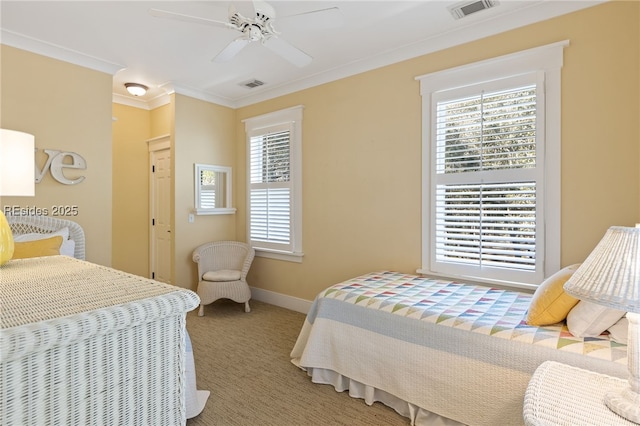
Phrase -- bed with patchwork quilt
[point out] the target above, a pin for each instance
(438, 352)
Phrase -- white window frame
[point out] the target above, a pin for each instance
(263, 124)
(546, 62)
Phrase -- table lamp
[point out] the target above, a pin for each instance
(610, 276)
(17, 178)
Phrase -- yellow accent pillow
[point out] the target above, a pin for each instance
(550, 303)
(44, 247)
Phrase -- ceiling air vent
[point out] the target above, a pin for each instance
(467, 8)
(252, 83)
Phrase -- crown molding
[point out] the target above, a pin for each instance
(208, 97)
(20, 41)
(129, 101)
(147, 104)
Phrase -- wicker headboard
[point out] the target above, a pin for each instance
(45, 225)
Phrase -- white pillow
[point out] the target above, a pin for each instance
(67, 248)
(222, 275)
(619, 332)
(588, 319)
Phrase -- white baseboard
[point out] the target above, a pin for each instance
(282, 300)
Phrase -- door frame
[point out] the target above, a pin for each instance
(159, 143)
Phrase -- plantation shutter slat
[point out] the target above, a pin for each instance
(486, 225)
(487, 131)
(207, 198)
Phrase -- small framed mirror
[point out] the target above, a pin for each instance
(213, 189)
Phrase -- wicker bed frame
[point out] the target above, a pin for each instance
(82, 343)
(45, 225)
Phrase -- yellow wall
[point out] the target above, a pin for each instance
(131, 130)
(67, 108)
(362, 151)
(204, 133)
(162, 119)
(200, 132)
(637, 70)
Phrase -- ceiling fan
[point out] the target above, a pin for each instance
(260, 28)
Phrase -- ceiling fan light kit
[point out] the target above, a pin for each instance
(259, 28)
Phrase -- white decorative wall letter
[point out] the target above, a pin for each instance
(56, 162)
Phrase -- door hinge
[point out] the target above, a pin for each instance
(153, 275)
(153, 222)
(153, 168)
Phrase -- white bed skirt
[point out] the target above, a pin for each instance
(418, 416)
(195, 399)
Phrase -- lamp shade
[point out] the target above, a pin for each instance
(17, 177)
(610, 276)
(17, 167)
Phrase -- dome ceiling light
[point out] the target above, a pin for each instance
(136, 89)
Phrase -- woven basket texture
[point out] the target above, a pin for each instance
(84, 344)
(563, 395)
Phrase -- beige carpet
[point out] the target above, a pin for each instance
(243, 359)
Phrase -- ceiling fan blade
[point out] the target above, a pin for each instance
(159, 13)
(263, 8)
(320, 19)
(231, 50)
(243, 7)
(288, 51)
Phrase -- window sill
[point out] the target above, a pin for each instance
(279, 255)
(201, 212)
(467, 279)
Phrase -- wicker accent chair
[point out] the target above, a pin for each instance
(222, 272)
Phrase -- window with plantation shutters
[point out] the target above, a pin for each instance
(491, 170)
(485, 178)
(270, 188)
(273, 148)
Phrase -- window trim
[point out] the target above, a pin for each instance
(290, 116)
(546, 60)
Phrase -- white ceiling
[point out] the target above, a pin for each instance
(122, 38)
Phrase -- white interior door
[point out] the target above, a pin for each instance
(160, 210)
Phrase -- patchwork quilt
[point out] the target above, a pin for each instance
(485, 310)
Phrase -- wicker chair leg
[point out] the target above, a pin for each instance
(201, 310)
(246, 306)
